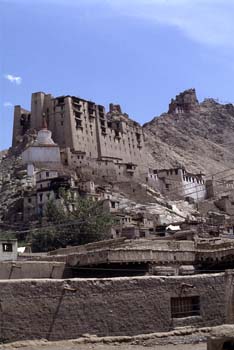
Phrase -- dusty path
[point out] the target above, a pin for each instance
(69, 346)
(181, 339)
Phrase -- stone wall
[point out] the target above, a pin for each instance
(60, 309)
(31, 269)
(221, 338)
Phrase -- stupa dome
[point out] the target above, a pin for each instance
(44, 138)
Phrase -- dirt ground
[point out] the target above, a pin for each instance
(183, 339)
(69, 346)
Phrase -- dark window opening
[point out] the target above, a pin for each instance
(47, 174)
(129, 166)
(228, 345)
(7, 247)
(103, 130)
(78, 124)
(185, 307)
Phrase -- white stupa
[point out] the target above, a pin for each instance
(44, 138)
(43, 149)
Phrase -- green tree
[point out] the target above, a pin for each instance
(72, 221)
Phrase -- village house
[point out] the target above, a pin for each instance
(217, 187)
(226, 203)
(48, 184)
(8, 249)
(177, 183)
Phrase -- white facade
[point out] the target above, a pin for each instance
(194, 188)
(41, 154)
(8, 249)
(178, 183)
(43, 150)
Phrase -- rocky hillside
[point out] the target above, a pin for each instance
(199, 136)
(196, 135)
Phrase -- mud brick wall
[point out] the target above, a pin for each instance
(62, 309)
(31, 269)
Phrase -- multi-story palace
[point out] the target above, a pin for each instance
(85, 132)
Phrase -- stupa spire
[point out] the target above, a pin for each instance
(44, 122)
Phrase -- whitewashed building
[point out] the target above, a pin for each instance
(178, 183)
(42, 150)
(8, 249)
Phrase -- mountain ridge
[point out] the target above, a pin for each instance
(196, 135)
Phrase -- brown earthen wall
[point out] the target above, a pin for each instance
(31, 269)
(58, 309)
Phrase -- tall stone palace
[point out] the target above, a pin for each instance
(98, 143)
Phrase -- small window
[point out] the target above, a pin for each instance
(47, 174)
(185, 307)
(41, 196)
(29, 200)
(7, 247)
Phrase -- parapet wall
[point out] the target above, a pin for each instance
(62, 309)
(31, 269)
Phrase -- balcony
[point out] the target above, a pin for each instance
(79, 124)
(117, 135)
(76, 106)
(77, 114)
(92, 113)
(103, 129)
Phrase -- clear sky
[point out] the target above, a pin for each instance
(138, 53)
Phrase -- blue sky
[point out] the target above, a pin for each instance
(139, 53)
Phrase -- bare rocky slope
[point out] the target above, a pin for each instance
(199, 136)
